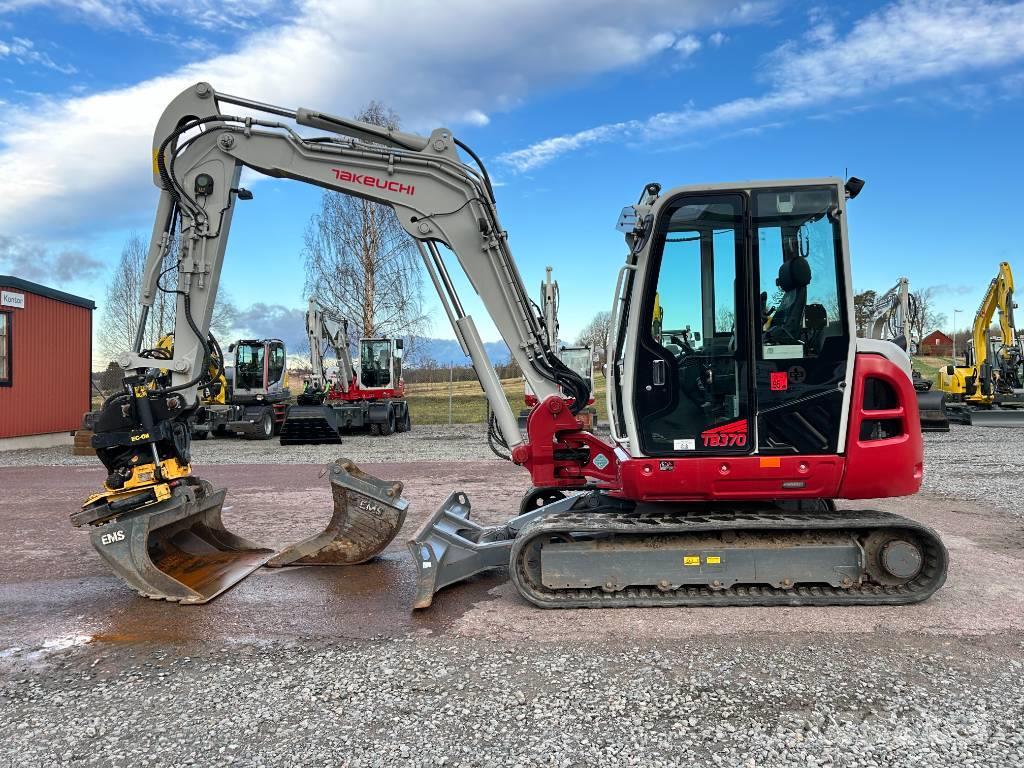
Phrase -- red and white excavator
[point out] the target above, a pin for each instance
(741, 403)
(368, 396)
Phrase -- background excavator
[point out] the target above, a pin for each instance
(580, 358)
(891, 318)
(725, 453)
(988, 390)
(369, 395)
(252, 401)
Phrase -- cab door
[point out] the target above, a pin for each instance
(693, 361)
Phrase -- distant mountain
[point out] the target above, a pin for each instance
(448, 352)
(443, 352)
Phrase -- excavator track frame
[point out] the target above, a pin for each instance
(645, 526)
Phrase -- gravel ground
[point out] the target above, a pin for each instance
(968, 463)
(418, 703)
(459, 442)
(484, 679)
(976, 464)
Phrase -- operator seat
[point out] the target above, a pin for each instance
(794, 277)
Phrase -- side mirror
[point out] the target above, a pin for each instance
(231, 348)
(854, 186)
(399, 344)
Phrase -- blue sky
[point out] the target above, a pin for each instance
(572, 105)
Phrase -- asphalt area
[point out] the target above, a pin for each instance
(328, 666)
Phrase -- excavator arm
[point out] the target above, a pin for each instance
(322, 325)
(199, 151)
(998, 298)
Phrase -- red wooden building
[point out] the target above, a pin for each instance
(45, 359)
(936, 344)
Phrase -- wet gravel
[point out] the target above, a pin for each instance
(474, 703)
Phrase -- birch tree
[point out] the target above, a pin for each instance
(361, 263)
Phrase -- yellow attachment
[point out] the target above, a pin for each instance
(161, 491)
(144, 475)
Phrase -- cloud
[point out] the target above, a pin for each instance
(23, 51)
(717, 39)
(33, 261)
(907, 42)
(335, 57)
(476, 117)
(137, 15)
(274, 321)
(687, 45)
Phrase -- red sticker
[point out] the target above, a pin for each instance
(779, 381)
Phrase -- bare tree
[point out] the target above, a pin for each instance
(863, 308)
(122, 309)
(595, 334)
(926, 318)
(361, 263)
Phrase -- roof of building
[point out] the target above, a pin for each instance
(8, 281)
(937, 335)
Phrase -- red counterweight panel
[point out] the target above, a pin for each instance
(884, 447)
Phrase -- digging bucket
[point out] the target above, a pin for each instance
(368, 513)
(310, 425)
(177, 549)
(932, 409)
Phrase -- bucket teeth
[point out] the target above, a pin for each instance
(178, 549)
(368, 513)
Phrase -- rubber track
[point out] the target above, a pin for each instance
(931, 577)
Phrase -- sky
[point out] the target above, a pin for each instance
(573, 106)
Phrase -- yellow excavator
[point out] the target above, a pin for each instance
(988, 390)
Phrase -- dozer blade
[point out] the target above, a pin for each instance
(932, 407)
(996, 417)
(178, 549)
(368, 513)
(309, 425)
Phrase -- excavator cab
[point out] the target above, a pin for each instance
(714, 375)
(380, 364)
(260, 368)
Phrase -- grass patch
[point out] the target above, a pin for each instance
(428, 403)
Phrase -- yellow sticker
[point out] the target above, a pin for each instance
(713, 560)
(156, 168)
(691, 560)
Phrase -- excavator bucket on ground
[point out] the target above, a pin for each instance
(368, 513)
(310, 425)
(932, 408)
(175, 548)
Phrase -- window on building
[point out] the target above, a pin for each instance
(5, 349)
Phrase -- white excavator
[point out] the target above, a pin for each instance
(370, 396)
(892, 318)
(579, 357)
(739, 410)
